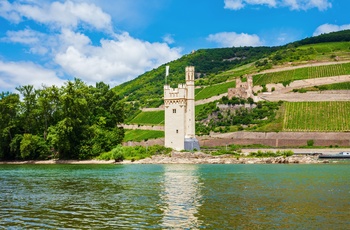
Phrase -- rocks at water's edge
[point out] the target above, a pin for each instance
(202, 158)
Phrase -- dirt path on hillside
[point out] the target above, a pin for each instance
(290, 67)
(309, 96)
(286, 94)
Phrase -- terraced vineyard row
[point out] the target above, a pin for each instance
(302, 73)
(214, 90)
(149, 118)
(325, 116)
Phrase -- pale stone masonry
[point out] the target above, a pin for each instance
(243, 89)
(179, 106)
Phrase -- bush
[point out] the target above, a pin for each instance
(279, 153)
(117, 153)
(310, 143)
(33, 147)
(133, 153)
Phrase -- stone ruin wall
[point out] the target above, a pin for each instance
(243, 89)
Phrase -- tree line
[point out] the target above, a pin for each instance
(75, 121)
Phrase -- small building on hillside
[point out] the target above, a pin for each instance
(179, 107)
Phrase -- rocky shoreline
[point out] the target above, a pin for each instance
(49, 162)
(202, 158)
(190, 158)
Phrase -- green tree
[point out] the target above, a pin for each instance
(33, 147)
(9, 123)
(66, 136)
(29, 110)
(49, 108)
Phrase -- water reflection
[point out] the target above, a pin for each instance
(175, 197)
(181, 196)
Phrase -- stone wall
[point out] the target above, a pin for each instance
(243, 89)
(281, 139)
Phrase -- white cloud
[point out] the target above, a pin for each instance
(7, 11)
(115, 61)
(292, 4)
(327, 28)
(229, 39)
(234, 4)
(38, 43)
(26, 36)
(168, 38)
(67, 14)
(14, 74)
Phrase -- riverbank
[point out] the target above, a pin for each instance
(190, 158)
(202, 158)
(49, 162)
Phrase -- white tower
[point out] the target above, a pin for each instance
(190, 107)
(179, 118)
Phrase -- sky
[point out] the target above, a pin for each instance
(47, 42)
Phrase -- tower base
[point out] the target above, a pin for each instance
(191, 144)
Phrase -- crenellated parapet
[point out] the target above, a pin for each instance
(172, 93)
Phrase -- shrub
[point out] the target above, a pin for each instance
(269, 153)
(33, 147)
(310, 143)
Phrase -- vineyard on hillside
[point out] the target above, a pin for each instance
(149, 118)
(139, 135)
(302, 73)
(214, 90)
(325, 116)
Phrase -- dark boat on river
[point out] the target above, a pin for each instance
(341, 155)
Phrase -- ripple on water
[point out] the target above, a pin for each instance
(169, 196)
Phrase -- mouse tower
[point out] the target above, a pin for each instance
(179, 106)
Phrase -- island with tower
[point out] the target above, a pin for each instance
(179, 106)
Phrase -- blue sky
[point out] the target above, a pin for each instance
(44, 42)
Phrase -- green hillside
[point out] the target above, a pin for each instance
(215, 66)
(208, 63)
(302, 73)
(149, 118)
(317, 116)
(139, 135)
(214, 90)
(216, 70)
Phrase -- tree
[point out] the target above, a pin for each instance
(9, 123)
(48, 108)
(66, 136)
(33, 147)
(29, 110)
(75, 121)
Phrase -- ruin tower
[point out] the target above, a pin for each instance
(179, 113)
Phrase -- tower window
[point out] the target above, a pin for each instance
(174, 110)
(177, 131)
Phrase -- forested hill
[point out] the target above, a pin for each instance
(147, 89)
(206, 61)
(340, 36)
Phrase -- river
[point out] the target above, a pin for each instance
(175, 196)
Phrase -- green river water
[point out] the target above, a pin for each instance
(175, 196)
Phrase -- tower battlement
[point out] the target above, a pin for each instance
(171, 93)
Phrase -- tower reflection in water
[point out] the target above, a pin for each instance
(181, 196)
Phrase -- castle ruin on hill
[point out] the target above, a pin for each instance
(243, 89)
